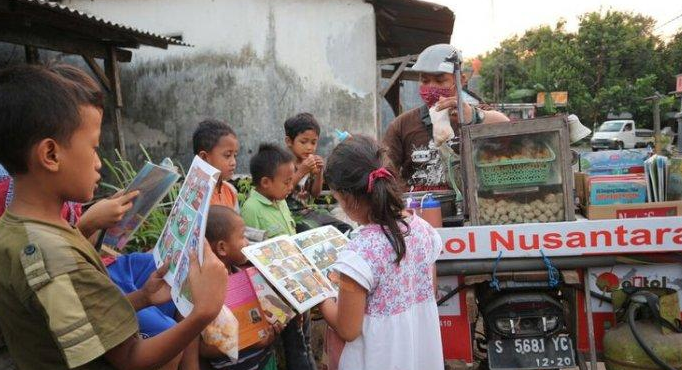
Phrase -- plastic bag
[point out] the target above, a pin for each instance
(223, 333)
(442, 130)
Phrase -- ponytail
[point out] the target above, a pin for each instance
(386, 210)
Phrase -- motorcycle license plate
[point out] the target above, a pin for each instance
(531, 353)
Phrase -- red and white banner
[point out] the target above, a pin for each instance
(621, 236)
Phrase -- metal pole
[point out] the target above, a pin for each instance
(461, 267)
(456, 61)
(590, 321)
(657, 116)
(679, 127)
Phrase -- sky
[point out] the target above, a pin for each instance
(480, 25)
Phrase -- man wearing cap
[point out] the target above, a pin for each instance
(409, 138)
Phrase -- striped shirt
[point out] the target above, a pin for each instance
(249, 359)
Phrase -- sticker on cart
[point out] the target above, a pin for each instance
(604, 280)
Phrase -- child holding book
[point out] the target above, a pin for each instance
(225, 232)
(302, 135)
(216, 143)
(66, 313)
(272, 171)
(386, 309)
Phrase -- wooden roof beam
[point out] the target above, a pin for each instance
(58, 43)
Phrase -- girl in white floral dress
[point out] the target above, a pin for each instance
(386, 309)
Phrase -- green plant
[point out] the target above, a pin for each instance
(148, 233)
(244, 186)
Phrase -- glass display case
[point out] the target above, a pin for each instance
(519, 172)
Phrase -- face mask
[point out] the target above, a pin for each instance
(431, 94)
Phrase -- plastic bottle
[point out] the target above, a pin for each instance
(341, 135)
(413, 206)
(430, 211)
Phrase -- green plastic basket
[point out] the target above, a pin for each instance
(515, 172)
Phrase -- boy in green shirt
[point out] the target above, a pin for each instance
(58, 307)
(272, 171)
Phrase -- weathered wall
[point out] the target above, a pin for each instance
(254, 64)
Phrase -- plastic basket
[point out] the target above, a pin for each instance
(515, 172)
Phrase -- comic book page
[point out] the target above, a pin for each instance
(185, 229)
(275, 309)
(153, 183)
(321, 246)
(299, 281)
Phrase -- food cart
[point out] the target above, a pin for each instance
(529, 282)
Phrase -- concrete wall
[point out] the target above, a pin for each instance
(254, 63)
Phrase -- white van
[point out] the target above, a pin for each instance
(621, 134)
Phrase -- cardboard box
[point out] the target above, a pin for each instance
(614, 211)
(642, 210)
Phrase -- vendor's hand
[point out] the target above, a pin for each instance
(155, 290)
(451, 104)
(106, 213)
(208, 283)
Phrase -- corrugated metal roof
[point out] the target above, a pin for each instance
(125, 33)
(405, 27)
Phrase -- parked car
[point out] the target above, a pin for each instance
(621, 134)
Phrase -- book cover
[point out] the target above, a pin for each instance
(242, 300)
(294, 265)
(184, 231)
(610, 189)
(153, 182)
(271, 303)
(613, 162)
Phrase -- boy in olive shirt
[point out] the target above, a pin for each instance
(58, 307)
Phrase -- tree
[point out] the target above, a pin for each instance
(610, 64)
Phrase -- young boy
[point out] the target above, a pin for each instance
(216, 143)
(59, 308)
(272, 171)
(302, 134)
(225, 233)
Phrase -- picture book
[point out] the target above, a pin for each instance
(153, 182)
(242, 300)
(618, 189)
(275, 309)
(613, 162)
(184, 230)
(297, 265)
(656, 170)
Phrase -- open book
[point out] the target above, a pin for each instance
(184, 231)
(153, 182)
(297, 265)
